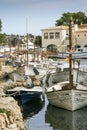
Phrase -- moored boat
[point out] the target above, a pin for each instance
(26, 94)
(79, 53)
(71, 99)
(71, 94)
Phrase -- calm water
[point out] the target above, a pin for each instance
(43, 116)
(48, 117)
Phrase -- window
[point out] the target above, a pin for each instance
(51, 35)
(45, 35)
(57, 35)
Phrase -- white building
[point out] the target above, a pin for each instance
(57, 38)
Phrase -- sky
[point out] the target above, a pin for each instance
(31, 16)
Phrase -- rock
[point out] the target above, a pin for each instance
(13, 127)
(4, 122)
(14, 118)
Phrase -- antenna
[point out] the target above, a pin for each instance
(26, 25)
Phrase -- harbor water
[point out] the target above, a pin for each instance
(40, 115)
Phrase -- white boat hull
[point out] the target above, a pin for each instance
(68, 99)
(74, 55)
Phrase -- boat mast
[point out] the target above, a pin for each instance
(27, 49)
(70, 55)
(34, 50)
(27, 38)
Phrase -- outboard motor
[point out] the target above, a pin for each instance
(29, 83)
(35, 71)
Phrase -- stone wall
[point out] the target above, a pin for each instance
(13, 120)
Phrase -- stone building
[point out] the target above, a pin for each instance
(57, 38)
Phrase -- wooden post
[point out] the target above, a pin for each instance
(27, 49)
(70, 55)
(34, 49)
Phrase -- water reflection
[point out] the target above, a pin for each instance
(31, 108)
(61, 119)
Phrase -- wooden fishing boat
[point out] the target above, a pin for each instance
(70, 95)
(26, 94)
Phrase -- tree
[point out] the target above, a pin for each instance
(0, 25)
(78, 18)
(2, 38)
(38, 41)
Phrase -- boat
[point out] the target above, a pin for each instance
(71, 99)
(26, 94)
(39, 68)
(79, 53)
(70, 94)
(61, 73)
(30, 88)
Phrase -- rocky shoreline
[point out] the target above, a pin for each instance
(11, 117)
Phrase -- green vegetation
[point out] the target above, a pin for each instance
(78, 18)
(38, 41)
(2, 38)
(0, 25)
(2, 110)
